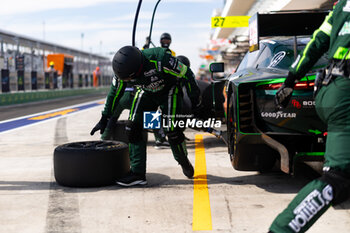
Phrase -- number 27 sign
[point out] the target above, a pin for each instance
(230, 22)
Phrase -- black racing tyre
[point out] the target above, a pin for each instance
(90, 163)
(120, 134)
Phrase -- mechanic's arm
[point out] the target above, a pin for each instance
(172, 65)
(115, 93)
(192, 88)
(316, 47)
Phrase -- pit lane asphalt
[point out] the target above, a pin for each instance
(31, 201)
(18, 110)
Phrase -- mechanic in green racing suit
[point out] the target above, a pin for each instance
(125, 102)
(333, 107)
(158, 75)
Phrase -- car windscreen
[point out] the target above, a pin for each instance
(277, 56)
(248, 60)
(281, 56)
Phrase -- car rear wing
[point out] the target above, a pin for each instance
(283, 23)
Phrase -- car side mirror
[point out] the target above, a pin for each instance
(216, 67)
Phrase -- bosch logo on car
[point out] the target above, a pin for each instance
(309, 103)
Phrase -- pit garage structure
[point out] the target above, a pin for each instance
(236, 39)
(23, 61)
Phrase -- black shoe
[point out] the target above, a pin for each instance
(187, 168)
(132, 179)
(162, 145)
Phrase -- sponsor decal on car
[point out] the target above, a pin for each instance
(303, 104)
(308, 103)
(296, 104)
(277, 59)
(278, 114)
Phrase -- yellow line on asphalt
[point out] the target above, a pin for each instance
(201, 204)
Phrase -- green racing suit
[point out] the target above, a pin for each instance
(159, 85)
(333, 107)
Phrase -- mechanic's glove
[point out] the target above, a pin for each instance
(101, 125)
(112, 123)
(285, 92)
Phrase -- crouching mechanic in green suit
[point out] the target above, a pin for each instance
(157, 74)
(125, 102)
(333, 107)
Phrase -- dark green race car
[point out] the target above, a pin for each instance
(258, 133)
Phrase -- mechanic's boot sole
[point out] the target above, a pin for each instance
(187, 168)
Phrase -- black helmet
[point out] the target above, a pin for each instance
(184, 60)
(165, 40)
(127, 63)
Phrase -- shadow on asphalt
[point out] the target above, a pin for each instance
(275, 182)
(272, 182)
(154, 180)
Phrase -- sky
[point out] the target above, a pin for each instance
(107, 25)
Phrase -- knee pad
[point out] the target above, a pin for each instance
(340, 183)
(133, 131)
(175, 137)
